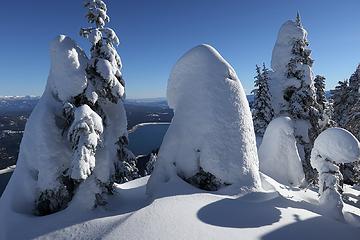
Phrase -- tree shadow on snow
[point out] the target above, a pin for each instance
(253, 210)
(314, 228)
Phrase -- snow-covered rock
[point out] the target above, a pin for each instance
(278, 154)
(212, 127)
(334, 145)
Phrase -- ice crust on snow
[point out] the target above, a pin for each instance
(212, 126)
(278, 154)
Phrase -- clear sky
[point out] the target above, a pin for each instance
(155, 33)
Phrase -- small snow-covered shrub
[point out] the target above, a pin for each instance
(332, 147)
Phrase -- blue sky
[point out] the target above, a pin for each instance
(154, 34)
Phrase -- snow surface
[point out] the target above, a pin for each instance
(184, 212)
(212, 126)
(278, 154)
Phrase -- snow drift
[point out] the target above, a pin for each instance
(212, 128)
(278, 154)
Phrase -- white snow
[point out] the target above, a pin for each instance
(278, 213)
(212, 126)
(334, 145)
(338, 145)
(85, 135)
(281, 55)
(278, 154)
(68, 64)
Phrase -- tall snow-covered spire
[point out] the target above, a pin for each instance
(298, 19)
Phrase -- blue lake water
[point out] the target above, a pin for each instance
(146, 138)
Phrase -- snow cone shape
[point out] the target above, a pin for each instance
(334, 145)
(211, 140)
(278, 154)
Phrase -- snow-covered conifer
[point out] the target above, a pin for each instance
(106, 92)
(333, 146)
(278, 148)
(210, 142)
(262, 109)
(292, 87)
(320, 91)
(340, 102)
(151, 164)
(84, 135)
(76, 138)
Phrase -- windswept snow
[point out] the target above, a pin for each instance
(212, 127)
(278, 154)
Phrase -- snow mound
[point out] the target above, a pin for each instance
(278, 148)
(212, 128)
(68, 64)
(338, 145)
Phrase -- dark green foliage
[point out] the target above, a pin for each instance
(205, 180)
(320, 91)
(263, 112)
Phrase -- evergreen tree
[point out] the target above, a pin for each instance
(320, 91)
(105, 94)
(300, 98)
(340, 102)
(263, 112)
(151, 164)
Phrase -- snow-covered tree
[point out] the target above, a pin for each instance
(340, 103)
(320, 91)
(211, 141)
(263, 112)
(278, 148)
(149, 168)
(346, 98)
(292, 87)
(106, 93)
(75, 143)
(84, 134)
(333, 146)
